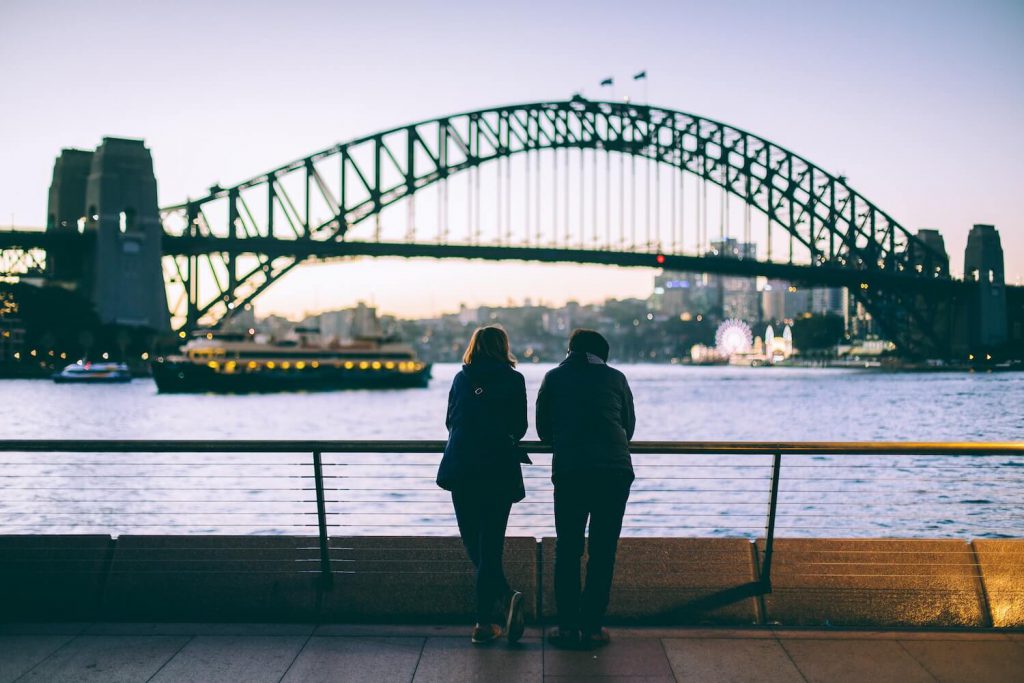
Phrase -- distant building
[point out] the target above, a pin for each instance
(740, 298)
(829, 300)
(687, 295)
(781, 300)
(12, 332)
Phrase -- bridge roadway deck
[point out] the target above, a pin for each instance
(333, 652)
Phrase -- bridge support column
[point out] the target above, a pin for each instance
(127, 284)
(987, 312)
(66, 214)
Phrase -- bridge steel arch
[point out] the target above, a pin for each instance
(837, 226)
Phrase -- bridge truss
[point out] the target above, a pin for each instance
(543, 199)
(584, 181)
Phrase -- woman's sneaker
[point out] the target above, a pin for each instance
(515, 622)
(485, 633)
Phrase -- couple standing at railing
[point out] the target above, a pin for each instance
(585, 411)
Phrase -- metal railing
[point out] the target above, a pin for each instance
(352, 488)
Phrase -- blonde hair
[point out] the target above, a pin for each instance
(489, 342)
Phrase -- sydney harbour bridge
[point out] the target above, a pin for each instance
(574, 181)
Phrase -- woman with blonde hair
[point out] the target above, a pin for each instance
(482, 469)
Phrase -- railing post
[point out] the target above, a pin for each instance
(769, 541)
(321, 518)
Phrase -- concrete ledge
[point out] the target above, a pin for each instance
(52, 578)
(417, 578)
(1002, 574)
(874, 582)
(213, 578)
(674, 581)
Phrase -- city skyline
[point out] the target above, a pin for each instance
(891, 88)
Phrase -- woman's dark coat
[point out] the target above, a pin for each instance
(486, 419)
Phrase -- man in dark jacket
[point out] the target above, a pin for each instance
(585, 410)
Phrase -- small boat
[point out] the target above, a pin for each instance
(84, 372)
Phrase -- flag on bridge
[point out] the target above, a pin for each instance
(608, 81)
(640, 76)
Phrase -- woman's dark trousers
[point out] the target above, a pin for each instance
(601, 496)
(483, 517)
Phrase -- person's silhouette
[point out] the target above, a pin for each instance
(585, 411)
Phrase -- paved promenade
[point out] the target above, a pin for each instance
(305, 652)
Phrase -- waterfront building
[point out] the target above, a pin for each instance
(686, 295)
(782, 300)
(828, 300)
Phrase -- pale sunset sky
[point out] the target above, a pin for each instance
(920, 103)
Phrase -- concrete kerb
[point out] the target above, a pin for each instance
(874, 582)
(416, 579)
(52, 578)
(659, 581)
(1001, 564)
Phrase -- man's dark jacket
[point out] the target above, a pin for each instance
(486, 419)
(585, 411)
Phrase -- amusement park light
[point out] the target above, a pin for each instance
(732, 337)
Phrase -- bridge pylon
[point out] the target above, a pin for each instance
(110, 196)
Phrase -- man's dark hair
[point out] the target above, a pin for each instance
(589, 341)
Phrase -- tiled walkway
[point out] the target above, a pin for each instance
(297, 652)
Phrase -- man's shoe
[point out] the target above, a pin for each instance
(596, 638)
(485, 633)
(515, 622)
(568, 639)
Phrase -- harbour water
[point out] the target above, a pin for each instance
(864, 496)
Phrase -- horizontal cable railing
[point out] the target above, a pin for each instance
(332, 490)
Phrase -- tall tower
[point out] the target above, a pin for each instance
(932, 255)
(983, 263)
(65, 213)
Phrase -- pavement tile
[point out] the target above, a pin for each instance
(360, 660)
(854, 661)
(18, 654)
(960, 636)
(610, 679)
(688, 632)
(858, 634)
(956, 661)
(730, 660)
(31, 628)
(250, 658)
(129, 628)
(109, 659)
(621, 657)
(411, 630)
(457, 659)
